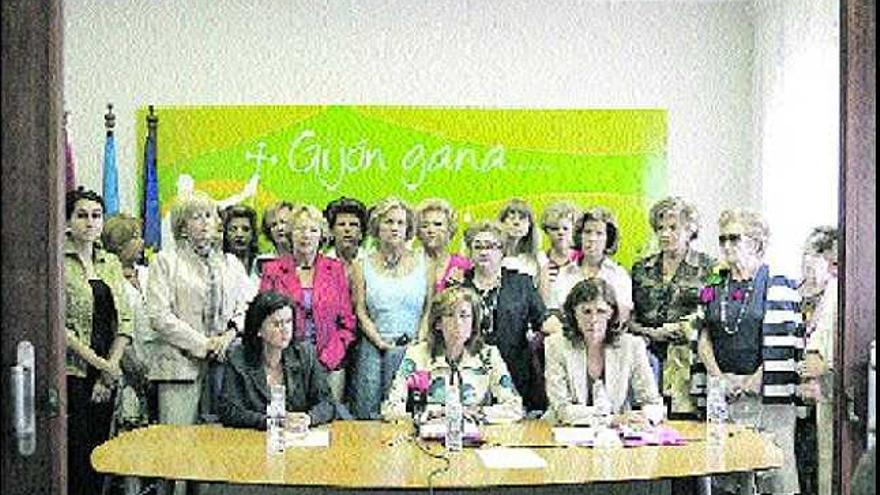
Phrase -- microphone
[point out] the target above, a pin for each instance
(417, 386)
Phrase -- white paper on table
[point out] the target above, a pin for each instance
(574, 435)
(437, 429)
(511, 458)
(314, 438)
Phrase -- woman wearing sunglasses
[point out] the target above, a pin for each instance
(751, 338)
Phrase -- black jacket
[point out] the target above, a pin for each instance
(518, 307)
(246, 392)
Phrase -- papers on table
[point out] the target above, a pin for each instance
(314, 438)
(660, 435)
(574, 436)
(436, 429)
(511, 458)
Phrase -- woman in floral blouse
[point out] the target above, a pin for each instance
(665, 292)
(455, 340)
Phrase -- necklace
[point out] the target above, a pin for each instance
(746, 299)
(390, 261)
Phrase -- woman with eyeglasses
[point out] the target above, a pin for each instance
(751, 336)
(511, 307)
(268, 357)
(318, 287)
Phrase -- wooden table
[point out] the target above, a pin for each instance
(371, 455)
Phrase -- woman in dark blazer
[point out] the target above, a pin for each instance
(265, 358)
(513, 312)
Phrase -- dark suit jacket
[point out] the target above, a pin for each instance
(246, 392)
(519, 306)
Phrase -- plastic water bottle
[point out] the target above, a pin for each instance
(454, 414)
(716, 410)
(275, 416)
(602, 403)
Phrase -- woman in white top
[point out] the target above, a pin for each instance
(597, 236)
(559, 270)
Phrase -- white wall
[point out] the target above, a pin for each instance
(797, 125)
(694, 59)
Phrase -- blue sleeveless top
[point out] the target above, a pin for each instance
(395, 304)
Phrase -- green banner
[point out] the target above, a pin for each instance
(475, 158)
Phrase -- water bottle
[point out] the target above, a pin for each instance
(454, 414)
(716, 410)
(602, 403)
(275, 416)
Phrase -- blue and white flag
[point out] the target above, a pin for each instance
(111, 189)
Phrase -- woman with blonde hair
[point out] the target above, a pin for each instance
(391, 293)
(751, 339)
(559, 272)
(196, 299)
(318, 287)
(513, 313)
(436, 227)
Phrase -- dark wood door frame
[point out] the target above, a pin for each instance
(31, 229)
(858, 304)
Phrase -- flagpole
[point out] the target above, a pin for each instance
(151, 215)
(111, 187)
(69, 166)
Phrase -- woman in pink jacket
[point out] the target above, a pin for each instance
(318, 286)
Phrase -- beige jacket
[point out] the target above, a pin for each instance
(177, 295)
(628, 377)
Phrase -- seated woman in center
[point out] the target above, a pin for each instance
(593, 348)
(266, 358)
(455, 339)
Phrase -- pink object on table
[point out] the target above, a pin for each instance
(661, 435)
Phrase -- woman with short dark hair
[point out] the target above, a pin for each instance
(99, 328)
(268, 357)
(240, 234)
(597, 237)
(347, 224)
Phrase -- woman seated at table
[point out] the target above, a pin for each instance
(593, 348)
(266, 358)
(456, 340)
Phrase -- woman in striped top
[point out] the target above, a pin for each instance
(752, 337)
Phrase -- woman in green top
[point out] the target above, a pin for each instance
(98, 325)
(665, 294)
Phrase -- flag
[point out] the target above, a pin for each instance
(111, 190)
(69, 166)
(150, 213)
